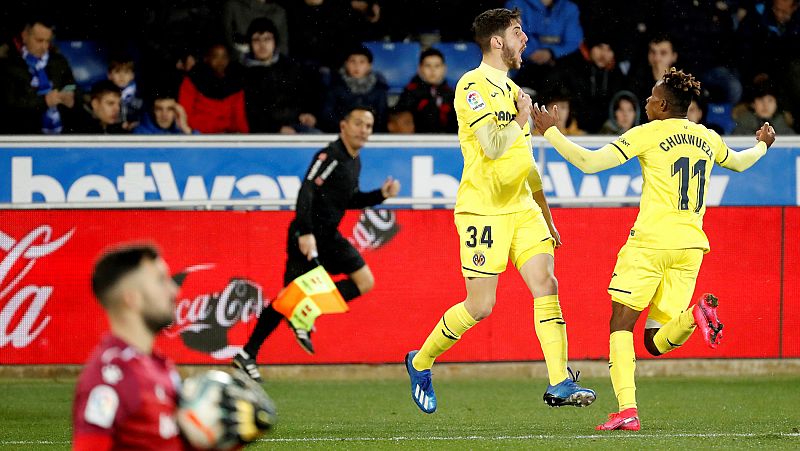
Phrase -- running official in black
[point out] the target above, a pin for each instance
(329, 189)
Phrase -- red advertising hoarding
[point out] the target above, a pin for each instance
(233, 264)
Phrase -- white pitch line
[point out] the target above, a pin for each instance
(632, 435)
(612, 436)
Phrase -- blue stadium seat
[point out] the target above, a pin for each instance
(88, 60)
(460, 57)
(397, 61)
(720, 114)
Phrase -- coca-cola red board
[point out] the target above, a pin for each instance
(232, 263)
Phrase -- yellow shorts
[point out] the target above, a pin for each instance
(487, 242)
(663, 279)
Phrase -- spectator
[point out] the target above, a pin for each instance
(236, 18)
(695, 112)
(279, 94)
(661, 55)
(623, 114)
(704, 29)
(38, 89)
(429, 97)
(356, 84)
(337, 27)
(213, 94)
(592, 77)
(768, 39)
(101, 116)
(121, 72)
(567, 125)
(400, 121)
(165, 116)
(764, 108)
(554, 31)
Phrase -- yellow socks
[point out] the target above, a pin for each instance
(622, 365)
(552, 333)
(675, 332)
(447, 332)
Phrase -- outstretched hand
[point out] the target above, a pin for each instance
(390, 188)
(766, 133)
(543, 119)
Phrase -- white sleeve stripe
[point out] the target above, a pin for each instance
(313, 172)
(329, 169)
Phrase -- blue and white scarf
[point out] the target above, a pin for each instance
(51, 119)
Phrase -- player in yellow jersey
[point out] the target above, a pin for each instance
(500, 212)
(658, 265)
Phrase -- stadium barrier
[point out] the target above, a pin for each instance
(233, 263)
(64, 199)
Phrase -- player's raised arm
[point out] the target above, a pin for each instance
(496, 140)
(742, 160)
(588, 161)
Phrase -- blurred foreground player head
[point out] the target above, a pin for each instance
(134, 286)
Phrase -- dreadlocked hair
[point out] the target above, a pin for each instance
(682, 86)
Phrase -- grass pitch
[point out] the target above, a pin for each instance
(676, 413)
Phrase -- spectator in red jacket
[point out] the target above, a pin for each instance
(429, 97)
(213, 94)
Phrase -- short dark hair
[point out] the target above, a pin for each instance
(493, 23)
(120, 60)
(430, 52)
(43, 20)
(682, 88)
(102, 88)
(115, 264)
(262, 25)
(358, 108)
(360, 50)
(661, 37)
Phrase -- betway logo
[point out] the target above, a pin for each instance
(557, 182)
(136, 183)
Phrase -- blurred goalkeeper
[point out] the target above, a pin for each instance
(330, 187)
(127, 394)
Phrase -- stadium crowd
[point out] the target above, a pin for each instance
(262, 66)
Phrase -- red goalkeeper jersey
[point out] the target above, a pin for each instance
(126, 400)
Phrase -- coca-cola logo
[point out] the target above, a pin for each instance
(203, 321)
(31, 299)
(374, 229)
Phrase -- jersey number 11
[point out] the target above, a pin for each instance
(681, 169)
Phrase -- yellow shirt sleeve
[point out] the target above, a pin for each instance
(470, 103)
(634, 142)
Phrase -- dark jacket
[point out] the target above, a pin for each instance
(341, 99)
(592, 88)
(275, 95)
(86, 123)
(21, 108)
(432, 106)
(329, 188)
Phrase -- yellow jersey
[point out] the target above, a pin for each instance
(500, 186)
(676, 156)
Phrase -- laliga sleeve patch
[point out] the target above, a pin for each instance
(101, 407)
(475, 101)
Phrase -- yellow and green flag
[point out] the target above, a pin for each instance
(309, 296)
